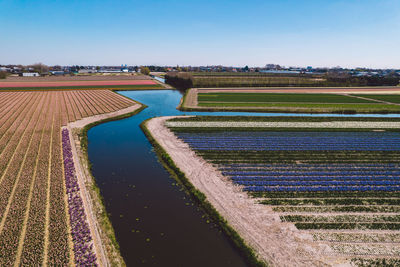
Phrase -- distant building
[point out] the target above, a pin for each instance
(30, 74)
(85, 71)
(57, 72)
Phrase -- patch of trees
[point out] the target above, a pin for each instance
(3, 74)
(145, 70)
(179, 80)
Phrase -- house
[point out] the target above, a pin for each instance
(57, 72)
(30, 74)
(85, 71)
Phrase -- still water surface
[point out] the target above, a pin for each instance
(155, 221)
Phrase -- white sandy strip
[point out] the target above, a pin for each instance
(276, 242)
(84, 178)
(281, 124)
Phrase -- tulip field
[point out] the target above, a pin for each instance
(41, 221)
(341, 186)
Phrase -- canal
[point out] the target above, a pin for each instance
(156, 223)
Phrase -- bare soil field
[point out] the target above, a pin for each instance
(29, 84)
(113, 77)
(35, 218)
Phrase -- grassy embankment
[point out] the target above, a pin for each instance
(201, 199)
(291, 102)
(102, 216)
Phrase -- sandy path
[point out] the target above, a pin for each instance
(85, 181)
(276, 242)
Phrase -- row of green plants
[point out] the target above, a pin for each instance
(377, 262)
(342, 218)
(329, 194)
(332, 201)
(347, 226)
(272, 129)
(280, 119)
(348, 208)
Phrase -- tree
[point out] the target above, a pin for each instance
(39, 67)
(145, 70)
(3, 74)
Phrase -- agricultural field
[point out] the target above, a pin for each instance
(266, 100)
(231, 79)
(42, 221)
(339, 183)
(79, 84)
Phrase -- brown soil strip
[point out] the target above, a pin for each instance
(47, 223)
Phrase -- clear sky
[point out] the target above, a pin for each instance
(348, 33)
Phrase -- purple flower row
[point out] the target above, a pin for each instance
(83, 247)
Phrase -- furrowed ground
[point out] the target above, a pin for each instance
(34, 221)
(335, 179)
(315, 100)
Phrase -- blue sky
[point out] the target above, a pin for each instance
(347, 33)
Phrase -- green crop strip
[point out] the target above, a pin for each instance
(387, 98)
(272, 97)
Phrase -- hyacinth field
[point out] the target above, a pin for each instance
(35, 212)
(341, 187)
(83, 247)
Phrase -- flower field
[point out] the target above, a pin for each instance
(340, 187)
(35, 213)
(111, 84)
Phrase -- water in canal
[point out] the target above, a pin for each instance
(155, 221)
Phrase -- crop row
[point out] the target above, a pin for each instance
(341, 218)
(357, 237)
(347, 208)
(332, 201)
(83, 247)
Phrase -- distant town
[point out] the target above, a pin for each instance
(44, 70)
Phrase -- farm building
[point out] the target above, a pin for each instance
(30, 74)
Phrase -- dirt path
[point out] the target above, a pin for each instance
(100, 238)
(276, 242)
(371, 99)
(191, 99)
